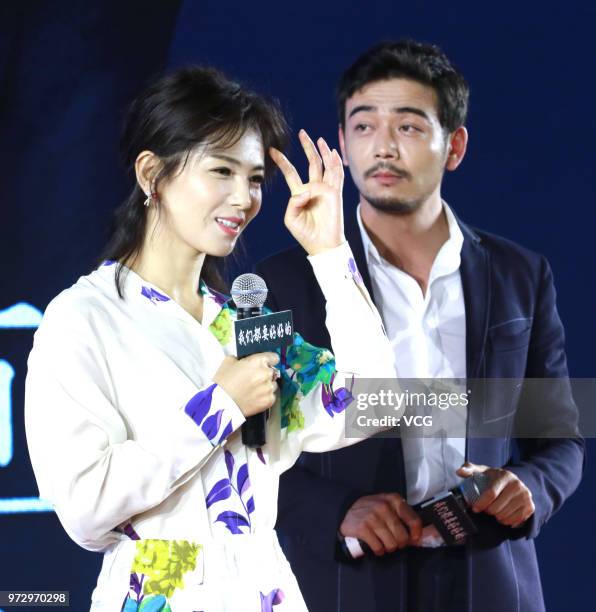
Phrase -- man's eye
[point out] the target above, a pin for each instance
(223, 171)
(361, 127)
(409, 129)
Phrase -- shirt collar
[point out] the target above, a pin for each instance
(134, 286)
(448, 258)
(213, 302)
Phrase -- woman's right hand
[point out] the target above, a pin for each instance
(250, 381)
(314, 214)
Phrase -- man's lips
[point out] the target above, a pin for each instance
(387, 178)
(386, 174)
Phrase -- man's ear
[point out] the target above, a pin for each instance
(147, 166)
(342, 145)
(458, 143)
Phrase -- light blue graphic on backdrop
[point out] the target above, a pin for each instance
(6, 376)
(11, 505)
(18, 316)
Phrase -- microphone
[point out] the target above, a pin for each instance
(470, 489)
(250, 292)
(447, 511)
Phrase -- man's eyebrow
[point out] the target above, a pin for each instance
(365, 108)
(234, 161)
(413, 110)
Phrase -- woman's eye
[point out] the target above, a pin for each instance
(223, 171)
(258, 179)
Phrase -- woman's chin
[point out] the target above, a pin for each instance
(222, 250)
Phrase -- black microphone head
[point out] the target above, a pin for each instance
(473, 487)
(249, 291)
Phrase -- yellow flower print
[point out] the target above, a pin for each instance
(164, 563)
(221, 327)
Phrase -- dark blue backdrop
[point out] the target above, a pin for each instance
(67, 71)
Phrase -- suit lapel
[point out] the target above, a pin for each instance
(475, 278)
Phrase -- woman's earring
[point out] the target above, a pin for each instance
(147, 202)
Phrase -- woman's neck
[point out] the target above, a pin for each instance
(173, 269)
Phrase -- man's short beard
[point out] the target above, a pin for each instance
(394, 206)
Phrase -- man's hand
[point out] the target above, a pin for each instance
(384, 521)
(507, 498)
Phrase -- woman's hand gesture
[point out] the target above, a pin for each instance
(314, 215)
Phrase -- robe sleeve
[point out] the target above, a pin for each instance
(317, 384)
(86, 460)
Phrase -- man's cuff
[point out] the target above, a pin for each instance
(215, 413)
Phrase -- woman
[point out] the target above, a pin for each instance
(134, 401)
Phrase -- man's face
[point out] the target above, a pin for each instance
(394, 144)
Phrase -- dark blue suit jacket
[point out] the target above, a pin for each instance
(513, 330)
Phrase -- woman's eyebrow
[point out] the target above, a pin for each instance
(234, 161)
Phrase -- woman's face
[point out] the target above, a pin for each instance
(208, 204)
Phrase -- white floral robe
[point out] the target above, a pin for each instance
(140, 452)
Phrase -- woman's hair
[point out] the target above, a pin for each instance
(191, 107)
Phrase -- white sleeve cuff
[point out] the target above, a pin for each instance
(335, 270)
(215, 412)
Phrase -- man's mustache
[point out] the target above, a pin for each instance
(389, 168)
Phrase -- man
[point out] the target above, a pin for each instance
(457, 303)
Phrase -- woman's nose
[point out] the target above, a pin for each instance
(241, 197)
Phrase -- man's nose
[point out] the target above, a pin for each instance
(386, 144)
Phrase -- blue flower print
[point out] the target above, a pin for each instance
(354, 271)
(223, 489)
(275, 597)
(153, 295)
(199, 410)
(336, 400)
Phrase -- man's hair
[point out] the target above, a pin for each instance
(408, 59)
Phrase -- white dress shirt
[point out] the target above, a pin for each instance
(428, 335)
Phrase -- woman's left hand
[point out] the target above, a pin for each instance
(314, 215)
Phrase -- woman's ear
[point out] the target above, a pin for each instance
(147, 166)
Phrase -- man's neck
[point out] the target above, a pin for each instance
(409, 242)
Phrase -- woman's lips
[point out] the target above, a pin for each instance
(229, 225)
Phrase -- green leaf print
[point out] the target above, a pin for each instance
(310, 363)
(295, 416)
